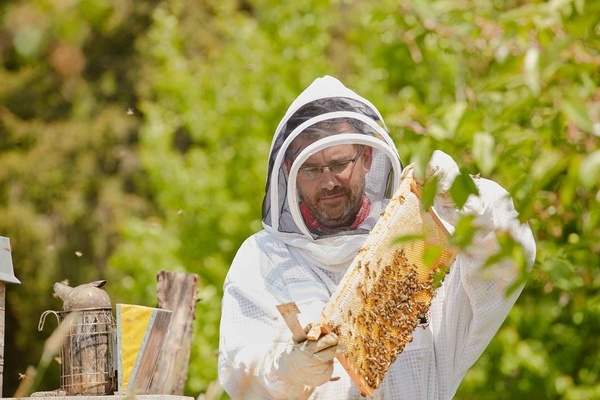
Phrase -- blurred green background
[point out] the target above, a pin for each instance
(134, 137)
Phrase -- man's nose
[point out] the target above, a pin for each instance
(328, 180)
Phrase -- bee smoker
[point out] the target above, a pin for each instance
(87, 332)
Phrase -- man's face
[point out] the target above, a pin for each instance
(331, 184)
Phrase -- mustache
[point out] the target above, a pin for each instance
(334, 192)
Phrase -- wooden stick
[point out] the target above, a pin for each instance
(289, 312)
(177, 291)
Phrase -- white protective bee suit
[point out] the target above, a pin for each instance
(287, 262)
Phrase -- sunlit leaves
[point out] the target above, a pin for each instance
(28, 40)
(509, 249)
(575, 110)
(407, 239)
(589, 170)
(531, 69)
(431, 254)
(462, 187)
(508, 89)
(549, 163)
(429, 191)
(484, 152)
(450, 121)
(562, 273)
(464, 231)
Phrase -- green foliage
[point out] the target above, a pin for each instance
(134, 138)
(462, 187)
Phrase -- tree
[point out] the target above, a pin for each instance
(69, 169)
(510, 89)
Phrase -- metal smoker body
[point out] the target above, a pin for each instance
(88, 339)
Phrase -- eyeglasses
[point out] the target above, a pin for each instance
(337, 168)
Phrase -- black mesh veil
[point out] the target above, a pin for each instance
(320, 117)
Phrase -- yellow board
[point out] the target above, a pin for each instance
(132, 324)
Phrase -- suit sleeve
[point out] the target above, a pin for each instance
(474, 301)
(252, 334)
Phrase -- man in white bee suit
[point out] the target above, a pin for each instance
(331, 171)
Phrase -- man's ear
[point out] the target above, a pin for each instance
(367, 158)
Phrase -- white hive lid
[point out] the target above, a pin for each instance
(7, 273)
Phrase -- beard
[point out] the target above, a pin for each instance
(339, 212)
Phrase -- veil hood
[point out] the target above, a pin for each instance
(327, 100)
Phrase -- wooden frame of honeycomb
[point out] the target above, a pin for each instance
(389, 286)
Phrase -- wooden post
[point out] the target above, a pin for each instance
(2, 329)
(176, 291)
(6, 275)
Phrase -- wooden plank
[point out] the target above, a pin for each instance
(151, 349)
(176, 291)
(2, 328)
(289, 312)
(140, 334)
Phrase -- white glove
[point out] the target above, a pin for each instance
(309, 362)
(442, 166)
(445, 169)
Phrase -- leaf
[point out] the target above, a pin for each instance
(548, 164)
(576, 111)
(438, 277)
(562, 273)
(464, 231)
(509, 248)
(589, 170)
(569, 187)
(429, 191)
(439, 132)
(408, 239)
(421, 156)
(531, 69)
(462, 188)
(483, 152)
(431, 254)
(454, 115)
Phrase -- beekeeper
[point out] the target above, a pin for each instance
(331, 171)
